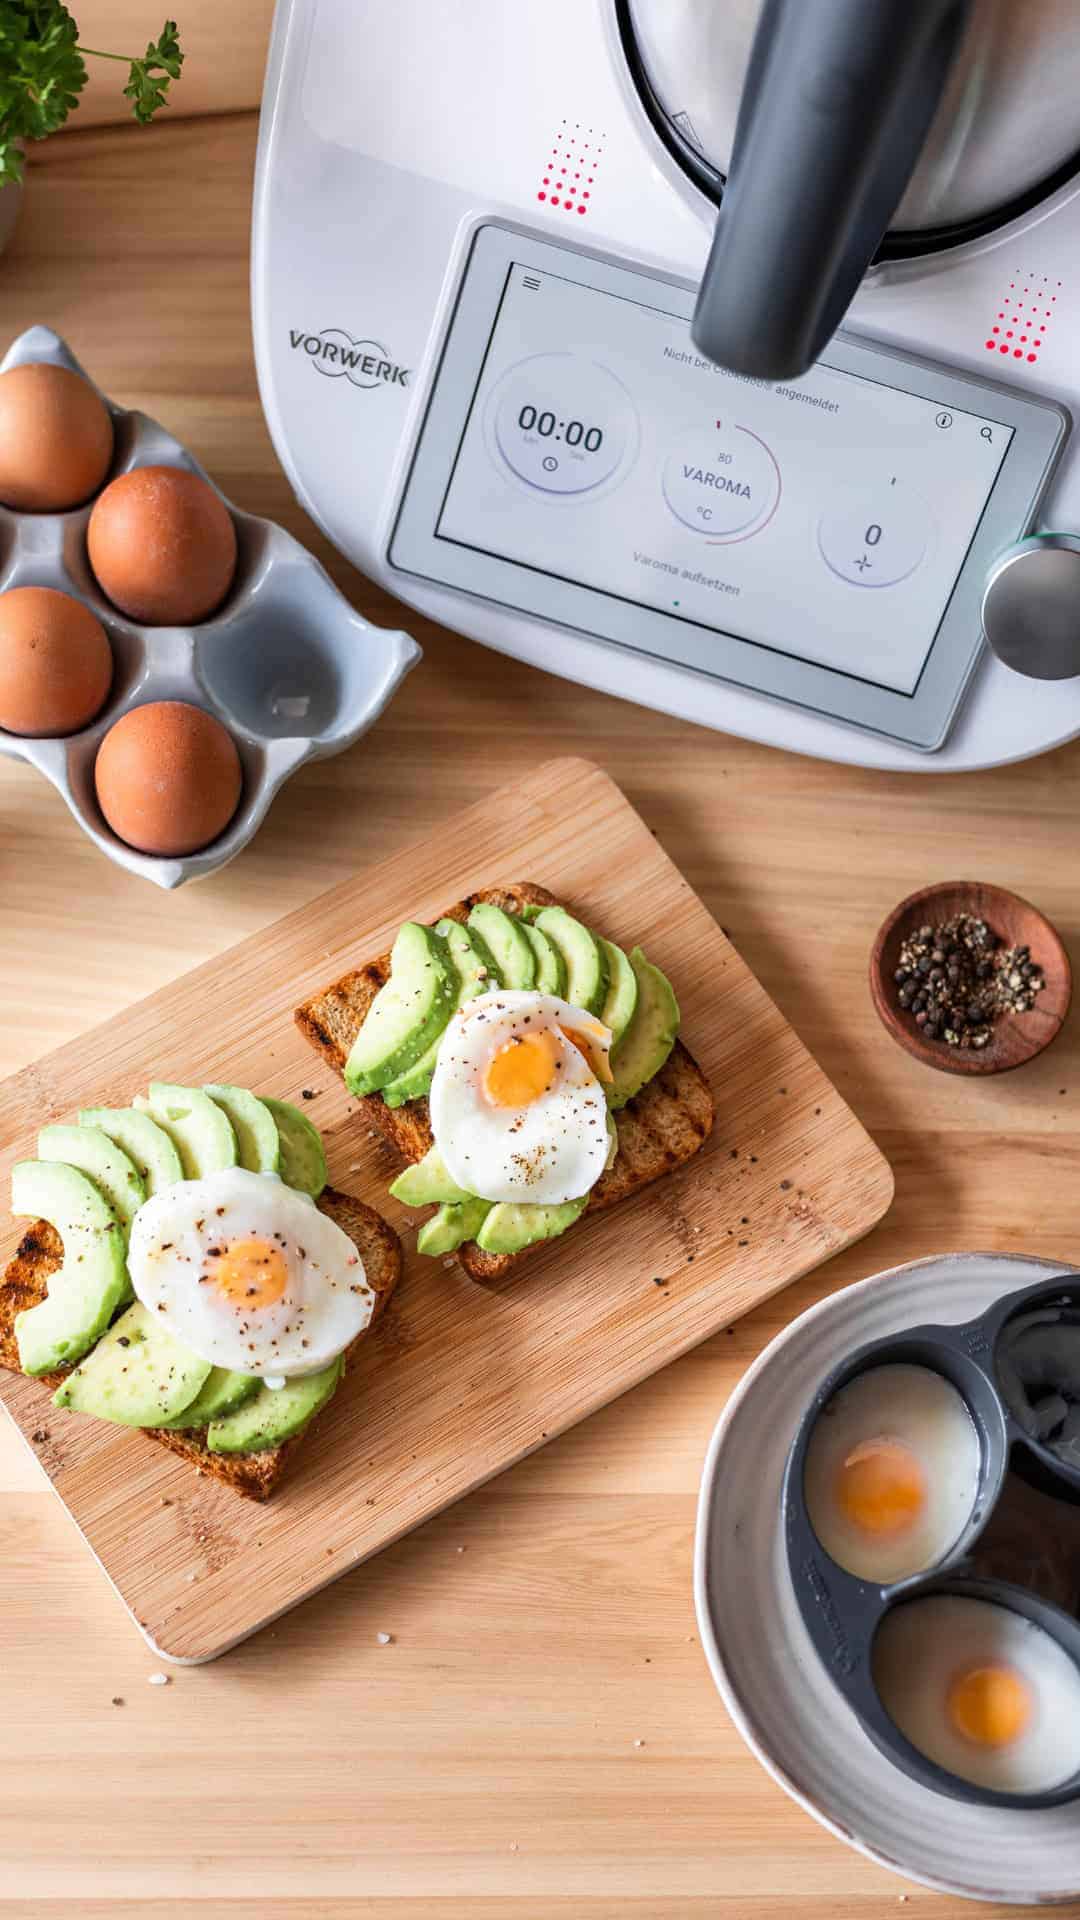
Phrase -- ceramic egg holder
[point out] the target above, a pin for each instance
(288, 666)
(842, 1612)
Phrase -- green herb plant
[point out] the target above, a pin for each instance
(43, 72)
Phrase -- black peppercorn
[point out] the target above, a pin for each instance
(957, 979)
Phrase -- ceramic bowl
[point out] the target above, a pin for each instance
(783, 1702)
(289, 667)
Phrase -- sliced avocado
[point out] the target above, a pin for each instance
(148, 1148)
(220, 1394)
(622, 993)
(428, 1184)
(137, 1375)
(513, 1225)
(492, 977)
(303, 1157)
(256, 1132)
(407, 1014)
(472, 957)
(86, 1290)
(530, 912)
(550, 965)
(586, 962)
(476, 974)
(451, 1227)
(650, 1036)
(505, 939)
(613, 1142)
(102, 1162)
(274, 1414)
(200, 1132)
(416, 1081)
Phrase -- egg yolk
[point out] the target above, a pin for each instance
(525, 1068)
(522, 1070)
(881, 1488)
(594, 1056)
(249, 1273)
(990, 1706)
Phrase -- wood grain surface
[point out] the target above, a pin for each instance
(482, 1766)
(459, 1380)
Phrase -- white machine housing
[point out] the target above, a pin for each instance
(389, 135)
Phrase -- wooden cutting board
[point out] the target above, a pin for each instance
(460, 1380)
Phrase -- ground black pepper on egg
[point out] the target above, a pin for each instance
(955, 980)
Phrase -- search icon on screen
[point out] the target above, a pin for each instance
(985, 434)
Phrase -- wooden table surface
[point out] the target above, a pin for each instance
(484, 1764)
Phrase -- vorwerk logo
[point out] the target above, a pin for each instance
(363, 362)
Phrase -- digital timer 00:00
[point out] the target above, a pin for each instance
(575, 431)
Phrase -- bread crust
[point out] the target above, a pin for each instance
(664, 1126)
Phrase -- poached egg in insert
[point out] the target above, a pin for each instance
(892, 1472)
(248, 1274)
(517, 1103)
(982, 1690)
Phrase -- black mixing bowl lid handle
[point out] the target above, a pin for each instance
(838, 100)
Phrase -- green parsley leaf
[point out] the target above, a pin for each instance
(148, 81)
(43, 72)
(41, 75)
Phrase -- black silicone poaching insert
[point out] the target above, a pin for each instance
(1021, 1546)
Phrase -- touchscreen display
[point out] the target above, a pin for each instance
(826, 518)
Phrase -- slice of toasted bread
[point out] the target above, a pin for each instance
(255, 1475)
(662, 1127)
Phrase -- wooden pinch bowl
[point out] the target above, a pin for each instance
(1014, 1037)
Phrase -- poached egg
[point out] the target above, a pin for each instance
(517, 1104)
(248, 1274)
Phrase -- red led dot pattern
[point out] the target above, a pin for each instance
(575, 155)
(1026, 306)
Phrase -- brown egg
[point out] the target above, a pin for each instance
(163, 546)
(56, 439)
(55, 662)
(168, 778)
